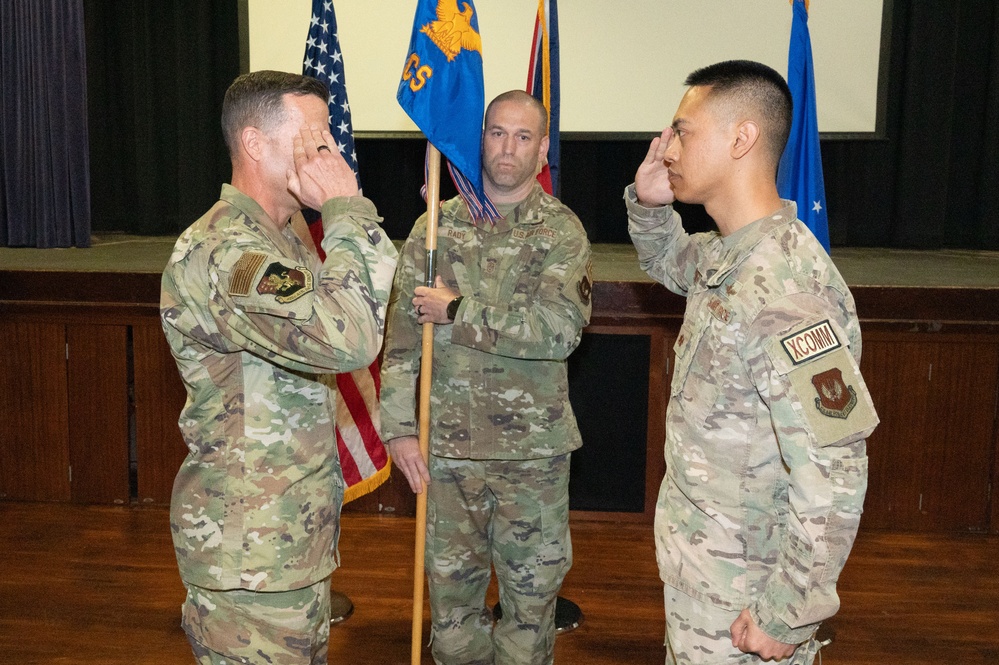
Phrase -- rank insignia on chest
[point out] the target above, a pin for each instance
(287, 284)
(836, 399)
(719, 310)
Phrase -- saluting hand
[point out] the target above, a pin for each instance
(320, 171)
(652, 178)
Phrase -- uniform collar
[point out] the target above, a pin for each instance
(733, 249)
(259, 221)
(517, 217)
(246, 204)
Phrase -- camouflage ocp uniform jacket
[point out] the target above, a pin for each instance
(500, 386)
(252, 319)
(767, 419)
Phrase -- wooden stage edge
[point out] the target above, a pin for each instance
(899, 289)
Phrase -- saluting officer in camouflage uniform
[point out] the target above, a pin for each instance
(768, 413)
(253, 319)
(510, 303)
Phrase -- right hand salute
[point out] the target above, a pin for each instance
(652, 184)
(321, 173)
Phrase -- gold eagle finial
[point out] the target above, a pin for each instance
(452, 31)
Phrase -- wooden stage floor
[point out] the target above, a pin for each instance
(91, 585)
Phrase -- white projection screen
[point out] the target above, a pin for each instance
(622, 63)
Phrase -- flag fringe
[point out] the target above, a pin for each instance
(369, 484)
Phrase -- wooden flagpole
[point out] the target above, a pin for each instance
(426, 365)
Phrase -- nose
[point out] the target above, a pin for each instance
(672, 150)
(508, 145)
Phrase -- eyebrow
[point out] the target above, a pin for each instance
(522, 130)
(678, 122)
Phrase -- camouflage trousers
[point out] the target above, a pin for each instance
(699, 634)
(512, 515)
(255, 627)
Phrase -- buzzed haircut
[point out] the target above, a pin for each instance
(523, 98)
(753, 84)
(256, 100)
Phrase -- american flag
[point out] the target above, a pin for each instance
(363, 459)
(324, 61)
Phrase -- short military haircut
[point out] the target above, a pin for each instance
(257, 100)
(754, 87)
(523, 98)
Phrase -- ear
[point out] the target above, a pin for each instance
(543, 151)
(747, 133)
(251, 143)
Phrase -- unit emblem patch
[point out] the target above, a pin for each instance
(836, 399)
(287, 284)
(585, 285)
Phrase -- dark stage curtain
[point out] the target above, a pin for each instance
(934, 181)
(157, 74)
(44, 188)
(931, 182)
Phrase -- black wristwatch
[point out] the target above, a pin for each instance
(452, 308)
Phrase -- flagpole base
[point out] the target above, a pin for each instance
(568, 616)
(341, 607)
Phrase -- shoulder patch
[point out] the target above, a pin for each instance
(810, 343)
(241, 279)
(833, 397)
(287, 284)
(585, 285)
(836, 399)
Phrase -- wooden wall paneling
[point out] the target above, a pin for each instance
(933, 453)
(994, 487)
(660, 378)
(895, 373)
(159, 398)
(394, 496)
(34, 434)
(98, 404)
(369, 503)
(957, 448)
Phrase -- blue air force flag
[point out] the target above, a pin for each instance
(442, 91)
(799, 176)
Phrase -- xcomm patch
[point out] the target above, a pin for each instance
(810, 343)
